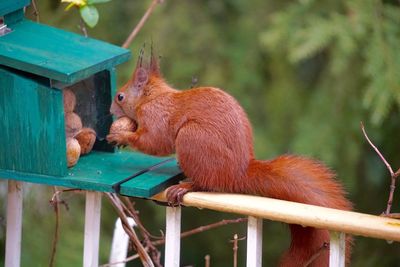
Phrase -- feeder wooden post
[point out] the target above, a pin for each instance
(337, 249)
(92, 229)
(173, 236)
(254, 242)
(14, 224)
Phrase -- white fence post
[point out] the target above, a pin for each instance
(254, 242)
(172, 236)
(120, 242)
(14, 224)
(337, 249)
(92, 229)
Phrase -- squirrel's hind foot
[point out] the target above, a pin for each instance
(175, 193)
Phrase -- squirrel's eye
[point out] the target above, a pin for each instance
(120, 97)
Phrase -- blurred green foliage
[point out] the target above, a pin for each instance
(307, 72)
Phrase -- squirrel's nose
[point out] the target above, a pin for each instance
(116, 110)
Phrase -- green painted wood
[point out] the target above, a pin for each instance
(14, 17)
(99, 171)
(32, 137)
(36, 178)
(113, 80)
(56, 54)
(153, 182)
(8, 6)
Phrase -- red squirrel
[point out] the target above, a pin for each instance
(212, 138)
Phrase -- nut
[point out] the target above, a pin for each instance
(69, 100)
(73, 151)
(123, 124)
(86, 138)
(73, 124)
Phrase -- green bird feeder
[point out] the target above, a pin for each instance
(38, 62)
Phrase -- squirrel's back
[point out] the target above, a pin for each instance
(213, 132)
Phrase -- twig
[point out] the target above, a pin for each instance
(184, 234)
(55, 202)
(235, 242)
(194, 82)
(58, 192)
(393, 175)
(235, 249)
(128, 259)
(204, 228)
(139, 26)
(55, 198)
(324, 246)
(377, 150)
(83, 28)
(207, 259)
(154, 252)
(35, 11)
(132, 212)
(393, 215)
(144, 256)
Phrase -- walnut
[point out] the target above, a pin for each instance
(73, 124)
(73, 151)
(86, 138)
(123, 124)
(69, 100)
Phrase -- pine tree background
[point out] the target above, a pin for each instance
(307, 72)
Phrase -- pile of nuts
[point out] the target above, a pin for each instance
(80, 140)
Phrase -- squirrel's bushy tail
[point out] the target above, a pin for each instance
(303, 180)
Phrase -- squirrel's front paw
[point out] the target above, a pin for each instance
(123, 138)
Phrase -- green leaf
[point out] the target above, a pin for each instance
(91, 2)
(90, 15)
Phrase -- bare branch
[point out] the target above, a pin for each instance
(56, 199)
(83, 28)
(324, 246)
(55, 202)
(184, 234)
(235, 249)
(204, 228)
(207, 260)
(392, 215)
(377, 151)
(154, 252)
(132, 212)
(35, 11)
(130, 258)
(139, 26)
(392, 174)
(397, 173)
(144, 256)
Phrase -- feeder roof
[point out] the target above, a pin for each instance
(56, 54)
(8, 6)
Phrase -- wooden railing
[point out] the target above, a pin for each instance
(338, 222)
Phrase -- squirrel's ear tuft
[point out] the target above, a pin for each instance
(154, 62)
(139, 63)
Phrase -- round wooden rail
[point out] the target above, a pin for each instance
(295, 213)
